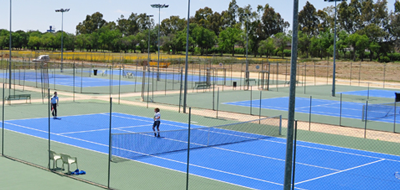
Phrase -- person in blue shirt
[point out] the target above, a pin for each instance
(54, 104)
(157, 121)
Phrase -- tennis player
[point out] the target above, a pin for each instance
(54, 104)
(157, 122)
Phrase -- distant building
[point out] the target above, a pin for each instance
(51, 29)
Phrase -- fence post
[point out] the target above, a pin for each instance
(366, 119)
(251, 100)
(394, 119)
(109, 146)
(217, 101)
(48, 120)
(309, 115)
(259, 110)
(341, 104)
(188, 151)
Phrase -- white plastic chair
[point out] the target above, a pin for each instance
(67, 159)
(54, 156)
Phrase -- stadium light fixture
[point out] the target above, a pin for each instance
(62, 32)
(334, 51)
(159, 6)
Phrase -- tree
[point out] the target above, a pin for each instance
(91, 24)
(228, 38)
(266, 47)
(308, 20)
(204, 38)
(172, 25)
(304, 43)
(281, 41)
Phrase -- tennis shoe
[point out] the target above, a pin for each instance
(82, 172)
(158, 135)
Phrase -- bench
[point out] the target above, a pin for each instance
(250, 80)
(201, 85)
(19, 97)
(129, 75)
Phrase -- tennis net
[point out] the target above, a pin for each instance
(136, 145)
(376, 111)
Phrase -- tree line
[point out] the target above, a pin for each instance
(365, 30)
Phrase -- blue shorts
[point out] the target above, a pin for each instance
(156, 124)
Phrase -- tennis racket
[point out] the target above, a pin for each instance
(397, 175)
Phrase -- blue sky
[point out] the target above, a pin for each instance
(40, 14)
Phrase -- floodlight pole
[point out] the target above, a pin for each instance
(148, 59)
(62, 33)
(247, 50)
(186, 62)
(9, 64)
(292, 97)
(334, 57)
(159, 6)
(334, 52)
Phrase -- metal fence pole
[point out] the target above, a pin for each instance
(109, 146)
(341, 105)
(294, 154)
(366, 119)
(188, 151)
(259, 111)
(48, 119)
(251, 100)
(309, 115)
(2, 125)
(395, 115)
(217, 102)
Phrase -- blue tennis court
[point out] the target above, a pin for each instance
(67, 80)
(352, 110)
(372, 93)
(176, 76)
(254, 164)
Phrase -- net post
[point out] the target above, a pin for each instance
(188, 151)
(180, 91)
(366, 119)
(309, 115)
(368, 92)
(109, 146)
(363, 113)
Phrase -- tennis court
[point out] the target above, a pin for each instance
(352, 110)
(257, 164)
(68, 79)
(372, 93)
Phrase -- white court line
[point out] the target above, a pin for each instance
(336, 151)
(207, 168)
(340, 171)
